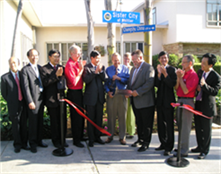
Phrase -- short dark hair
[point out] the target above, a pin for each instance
(211, 58)
(51, 52)
(94, 53)
(137, 52)
(28, 53)
(163, 53)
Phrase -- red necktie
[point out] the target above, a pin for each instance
(55, 68)
(19, 89)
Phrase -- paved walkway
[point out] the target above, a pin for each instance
(107, 159)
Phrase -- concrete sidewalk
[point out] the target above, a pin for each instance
(109, 158)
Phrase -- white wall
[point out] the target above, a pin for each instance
(191, 24)
(8, 13)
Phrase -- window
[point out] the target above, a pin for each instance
(26, 44)
(63, 48)
(130, 46)
(214, 12)
(154, 18)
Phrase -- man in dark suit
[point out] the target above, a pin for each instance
(165, 80)
(33, 93)
(11, 92)
(141, 83)
(94, 76)
(210, 83)
(52, 75)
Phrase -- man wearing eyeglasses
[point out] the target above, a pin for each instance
(73, 73)
(187, 81)
(52, 75)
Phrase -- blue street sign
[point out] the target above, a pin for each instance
(141, 28)
(121, 17)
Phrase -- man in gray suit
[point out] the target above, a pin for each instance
(141, 83)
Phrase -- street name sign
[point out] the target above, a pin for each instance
(121, 17)
(135, 29)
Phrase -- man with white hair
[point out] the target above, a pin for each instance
(11, 92)
(118, 75)
(73, 73)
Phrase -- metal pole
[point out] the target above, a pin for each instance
(121, 36)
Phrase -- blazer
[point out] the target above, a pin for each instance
(9, 91)
(165, 91)
(210, 90)
(144, 85)
(50, 82)
(94, 90)
(30, 85)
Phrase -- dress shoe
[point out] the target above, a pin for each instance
(17, 150)
(202, 156)
(109, 139)
(100, 141)
(79, 144)
(33, 149)
(175, 150)
(129, 136)
(42, 144)
(135, 144)
(84, 139)
(91, 144)
(182, 155)
(166, 153)
(144, 147)
(122, 141)
(196, 150)
(26, 147)
(159, 148)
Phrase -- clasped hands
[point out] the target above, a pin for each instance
(161, 70)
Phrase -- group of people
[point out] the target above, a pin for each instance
(130, 98)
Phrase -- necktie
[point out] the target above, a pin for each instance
(134, 76)
(199, 96)
(55, 68)
(19, 89)
(40, 83)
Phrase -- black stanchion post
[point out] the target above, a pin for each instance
(178, 161)
(62, 151)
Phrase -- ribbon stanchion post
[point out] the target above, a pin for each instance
(62, 151)
(178, 161)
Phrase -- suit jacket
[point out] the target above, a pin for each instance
(9, 91)
(94, 89)
(50, 82)
(210, 90)
(165, 91)
(30, 85)
(144, 85)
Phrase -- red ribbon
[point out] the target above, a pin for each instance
(83, 115)
(189, 108)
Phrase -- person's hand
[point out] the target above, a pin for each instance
(163, 70)
(98, 69)
(202, 81)
(31, 106)
(80, 65)
(198, 88)
(179, 73)
(110, 94)
(158, 69)
(59, 71)
(126, 96)
(134, 93)
(115, 77)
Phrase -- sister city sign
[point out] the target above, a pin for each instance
(121, 17)
(141, 28)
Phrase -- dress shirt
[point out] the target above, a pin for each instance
(122, 72)
(13, 74)
(71, 72)
(191, 79)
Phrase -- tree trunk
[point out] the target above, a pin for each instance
(111, 29)
(148, 35)
(90, 25)
(16, 29)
